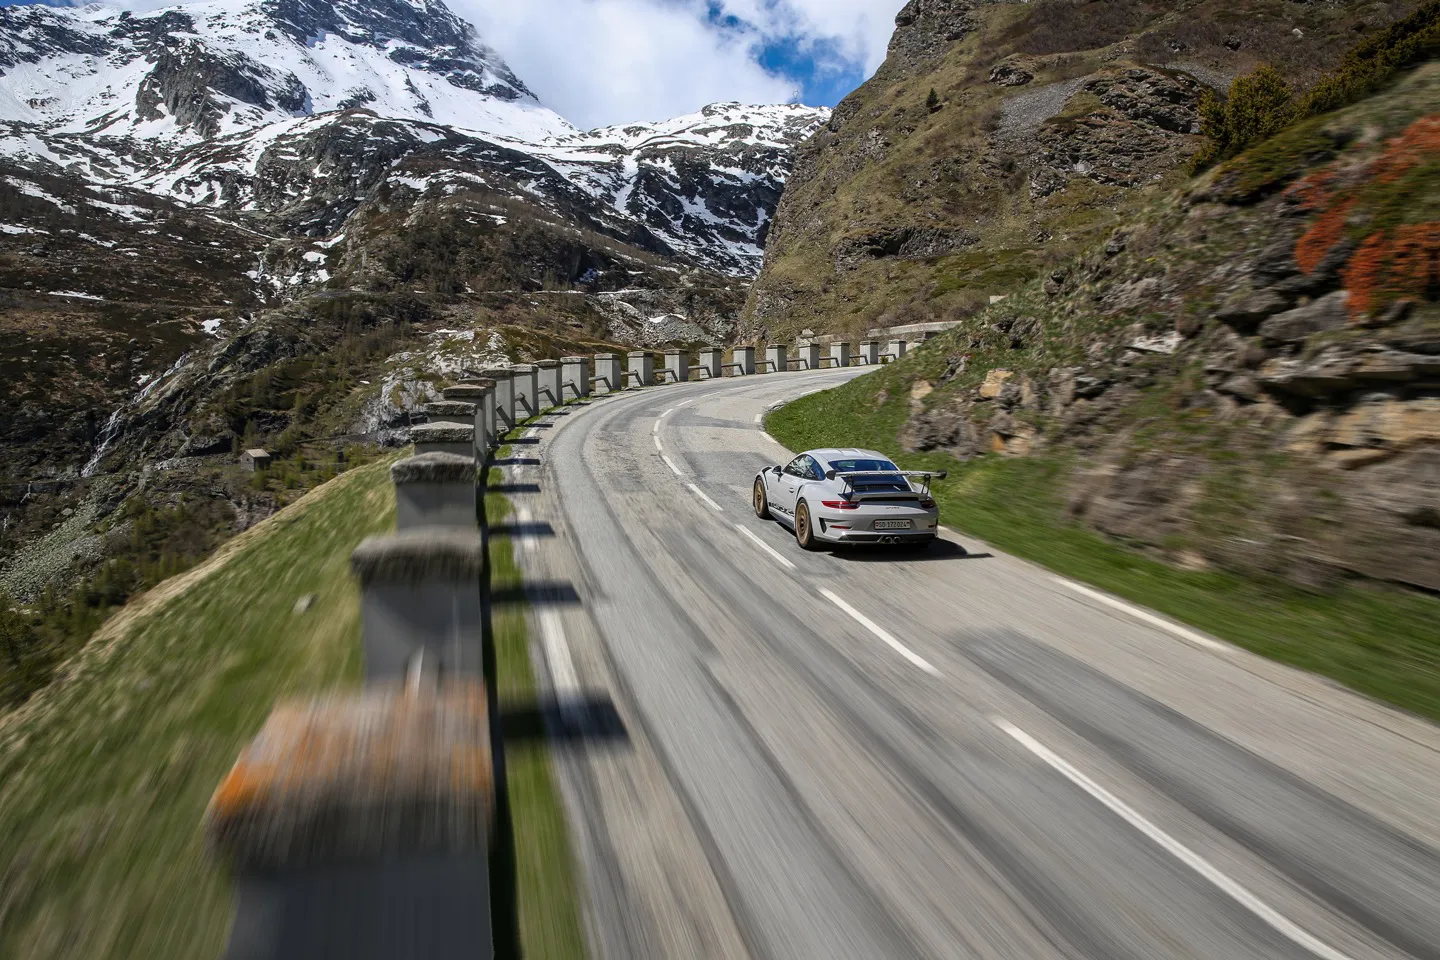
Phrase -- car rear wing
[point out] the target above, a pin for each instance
(850, 476)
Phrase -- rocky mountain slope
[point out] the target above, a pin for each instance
(1050, 121)
(1240, 372)
(284, 219)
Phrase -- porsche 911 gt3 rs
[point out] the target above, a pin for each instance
(835, 495)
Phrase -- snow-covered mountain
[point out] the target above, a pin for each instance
(195, 71)
(299, 108)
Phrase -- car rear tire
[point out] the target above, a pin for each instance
(760, 501)
(804, 534)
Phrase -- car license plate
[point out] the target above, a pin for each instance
(892, 524)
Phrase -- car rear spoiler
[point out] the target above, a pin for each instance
(924, 476)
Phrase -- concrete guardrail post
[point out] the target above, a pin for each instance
(711, 364)
(775, 360)
(896, 350)
(608, 373)
(642, 369)
(505, 413)
(455, 438)
(435, 490)
(808, 355)
(869, 352)
(743, 360)
(450, 411)
(677, 365)
(420, 594)
(480, 394)
(575, 377)
(840, 353)
(526, 379)
(548, 390)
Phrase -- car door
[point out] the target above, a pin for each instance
(788, 484)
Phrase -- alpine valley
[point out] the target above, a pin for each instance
(285, 219)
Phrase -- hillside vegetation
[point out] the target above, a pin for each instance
(1228, 406)
(1053, 122)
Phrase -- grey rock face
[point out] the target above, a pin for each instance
(1293, 326)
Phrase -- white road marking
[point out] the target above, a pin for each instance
(701, 494)
(656, 428)
(772, 439)
(671, 464)
(1183, 633)
(776, 555)
(656, 438)
(523, 517)
(1181, 852)
(874, 628)
(759, 418)
(557, 656)
(667, 413)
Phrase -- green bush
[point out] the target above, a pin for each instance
(1261, 104)
(1258, 106)
(1370, 64)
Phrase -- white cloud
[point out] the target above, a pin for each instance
(601, 62)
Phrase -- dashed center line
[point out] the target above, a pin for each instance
(1199, 639)
(1177, 849)
(884, 635)
(776, 555)
(671, 464)
(701, 494)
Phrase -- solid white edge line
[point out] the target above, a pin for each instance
(776, 555)
(667, 413)
(656, 428)
(557, 656)
(671, 464)
(656, 438)
(874, 628)
(771, 439)
(1177, 849)
(1198, 639)
(759, 418)
(523, 517)
(701, 494)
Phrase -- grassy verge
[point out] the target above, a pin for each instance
(104, 776)
(1379, 641)
(545, 891)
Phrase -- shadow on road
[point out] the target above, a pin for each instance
(516, 462)
(587, 718)
(939, 550)
(537, 528)
(512, 488)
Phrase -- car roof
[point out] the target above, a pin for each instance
(831, 454)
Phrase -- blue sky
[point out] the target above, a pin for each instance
(600, 62)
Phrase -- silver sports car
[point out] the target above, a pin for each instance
(848, 496)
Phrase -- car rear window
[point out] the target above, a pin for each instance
(853, 466)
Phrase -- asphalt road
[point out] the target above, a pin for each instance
(864, 755)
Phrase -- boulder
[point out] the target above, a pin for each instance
(1293, 326)
(1244, 312)
(994, 383)
(1010, 74)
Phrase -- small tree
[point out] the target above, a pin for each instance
(932, 102)
(1258, 106)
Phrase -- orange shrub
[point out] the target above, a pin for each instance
(1312, 246)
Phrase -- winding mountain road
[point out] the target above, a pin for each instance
(864, 755)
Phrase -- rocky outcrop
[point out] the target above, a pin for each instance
(1057, 121)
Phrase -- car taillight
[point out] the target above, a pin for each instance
(840, 505)
(927, 504)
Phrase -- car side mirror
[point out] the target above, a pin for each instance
(829, 474)
(776, 468)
